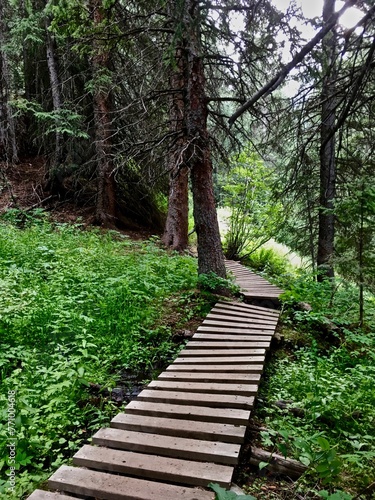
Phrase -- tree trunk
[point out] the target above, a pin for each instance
(326, 233)
(56, 94)
(106, 193)
(210, 253)
(8, 143)
(176, 228)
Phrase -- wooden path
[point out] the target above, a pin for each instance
(255, 289)
(185, 429)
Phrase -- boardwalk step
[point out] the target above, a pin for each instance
(49, 495)
(221, 324)
(209, 431)
(210, 377)
(231, 330)
(207, 388)
(250, 346)
(234, 319)
(222, 368)
(153, 466)
(247, 337)
(214, 351)
(247, 307)
(170, 446)
(190, 398)
(224, 360)
(238, 313)
(104, 486)
(199, 413)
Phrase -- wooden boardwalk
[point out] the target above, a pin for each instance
(185, 429)
(255, 289)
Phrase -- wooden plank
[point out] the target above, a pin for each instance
(199, 413)
(211, 388)
(208, 431)
(243, 320)
(224, 360)
(244, 306)
(259, 295)
(229, 310)
(232, 330)
(153, 466)
(196, 399)
(209, 377)
(210, 341)
(247, 337)
(105, 486)
(170, 446)
(49, 495)
(221, 324)
(214, 351)
(234, 313)
(225, 368)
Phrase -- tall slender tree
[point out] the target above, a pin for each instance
(326, 236)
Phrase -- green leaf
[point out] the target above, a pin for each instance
(222, 494)
(323, 443)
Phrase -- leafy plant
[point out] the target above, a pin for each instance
(77, 308)
(246, 191)
(214, 283)
(222, 494)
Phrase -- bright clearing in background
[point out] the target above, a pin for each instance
(314, 8)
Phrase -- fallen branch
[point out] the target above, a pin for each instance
(276, 463)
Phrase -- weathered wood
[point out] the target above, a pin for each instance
(211, 341)
(214, 316)
(277, 463)
(156, 444)
(252, 286)
(216, 351)
(209, 431)
(153, 466)
(241, 313)
(49, 495)
(248, 307)
(231, 330)
(112, 487)
(201, 387)
(222, 368)
(223, 324)
(210, 377)
(199, 413)
(247, 337)
(191, 398)
(215, 360)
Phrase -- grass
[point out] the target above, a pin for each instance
(77, 309)
(325, 368)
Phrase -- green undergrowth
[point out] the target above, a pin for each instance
(76, 309)
(324, 373)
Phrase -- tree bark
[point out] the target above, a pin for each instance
(277, 463)
(8, 143)
(56, 93)
(326, 232)
(177, 224)
(210, 253)
(106, 193)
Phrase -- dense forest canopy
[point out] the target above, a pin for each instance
(132, 104)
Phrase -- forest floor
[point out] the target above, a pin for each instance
(24, 187)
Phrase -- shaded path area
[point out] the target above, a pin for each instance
(185, 429)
